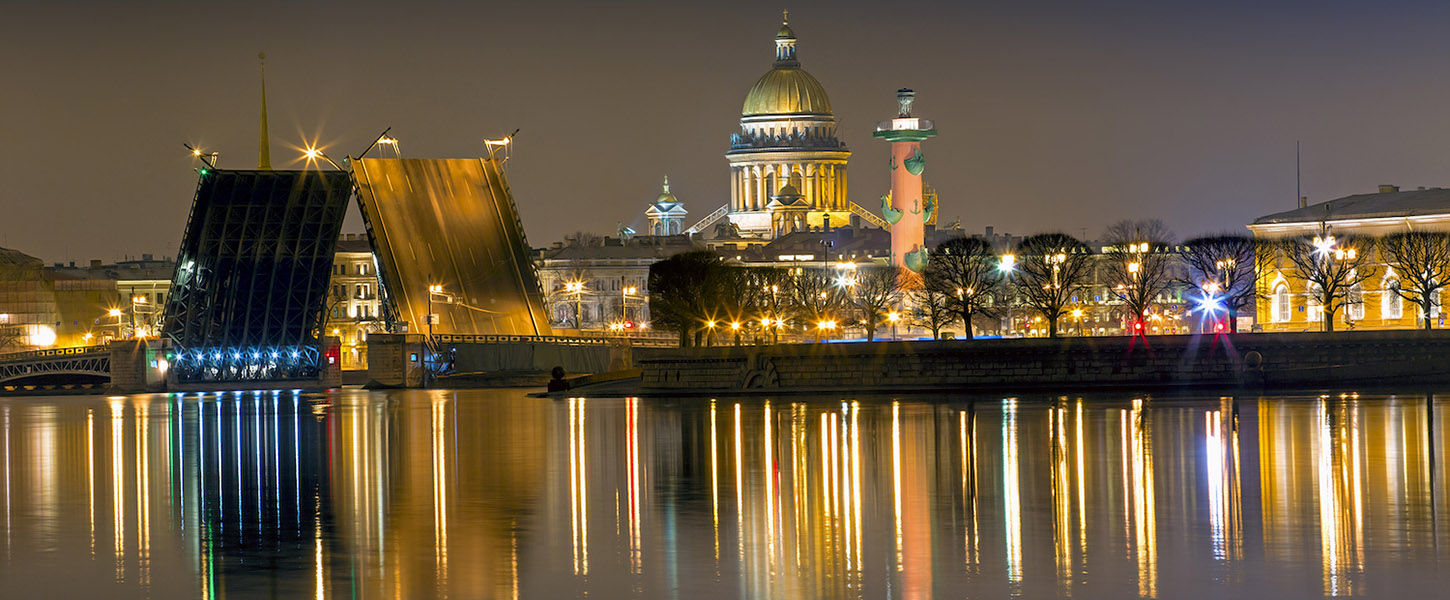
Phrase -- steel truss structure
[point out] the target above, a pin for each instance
(251, 280)
(90, 360)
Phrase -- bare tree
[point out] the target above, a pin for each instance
(584, 239)
(1224, 265)
(1422, 259)
(766, 292)
(1052, 269)
(687, 291)
(872, 293)
(1152, 230)
(932, 311)
(10, 338)
(1334, 267)
(969, 273)
(1139, 265)
(815, 298)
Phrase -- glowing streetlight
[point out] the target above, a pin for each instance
(576, 288)
(1007, 261)
(312, 154)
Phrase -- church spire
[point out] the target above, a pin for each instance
(264, 141)
(667, 184)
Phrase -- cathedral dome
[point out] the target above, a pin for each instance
(786, 89)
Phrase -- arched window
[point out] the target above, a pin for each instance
(1355, 303)
(1390, 307)
(1313, 306)
(1280, 308)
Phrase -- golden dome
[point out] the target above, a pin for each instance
(666, 197)
(786, 91)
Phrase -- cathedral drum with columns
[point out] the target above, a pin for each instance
(787, 167)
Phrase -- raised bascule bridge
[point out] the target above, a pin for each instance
(246, 310)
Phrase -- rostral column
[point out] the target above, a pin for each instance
(904, 207)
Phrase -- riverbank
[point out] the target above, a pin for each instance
(1237, 361)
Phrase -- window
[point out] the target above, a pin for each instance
(1280, 309)
(1390, 307)
(363, 290)
(1315, 307)
(1355, 302)
(362, 268)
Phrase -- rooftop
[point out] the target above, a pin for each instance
(1389, 202)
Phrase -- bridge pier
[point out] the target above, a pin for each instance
(138, 366)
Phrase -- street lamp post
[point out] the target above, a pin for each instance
(576, 288)
(625, 291)
(1005, 265)
(892, 317)
(433, 290)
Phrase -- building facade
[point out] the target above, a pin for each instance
(603, 285)
(1287, 301)
(353, 305)
(788, 136)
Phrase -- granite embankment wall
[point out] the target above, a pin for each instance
(1277, 360)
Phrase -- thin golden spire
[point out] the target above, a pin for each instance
(264, 141)
(785, 17)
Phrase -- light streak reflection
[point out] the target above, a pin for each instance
(1011, 493)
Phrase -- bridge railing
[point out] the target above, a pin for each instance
(54, 353)
(565, 340)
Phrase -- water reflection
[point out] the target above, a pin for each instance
(488, 494)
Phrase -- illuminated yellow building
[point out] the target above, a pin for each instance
(787, 157)
(1285, 301)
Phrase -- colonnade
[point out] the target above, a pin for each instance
(824, 185)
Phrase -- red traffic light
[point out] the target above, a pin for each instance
(629, 324)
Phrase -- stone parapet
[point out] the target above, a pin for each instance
(1305, 360)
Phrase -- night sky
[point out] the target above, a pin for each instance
(1062, 117)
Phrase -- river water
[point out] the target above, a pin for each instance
(489, 494)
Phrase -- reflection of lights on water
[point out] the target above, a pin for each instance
(1341, 532)
(1061, 491)
(1011, 492)
(1217, 495)
(578, 486)
(1144, 511)
(1081, 488)
(714, 483)
(969, 496)
(739, 488)
(896, 472)
(440, 489)
(769, 490)
(143, 494)
(632, 445)
(91, 474)
(118, 494)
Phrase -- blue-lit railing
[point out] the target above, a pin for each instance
(246, 364)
